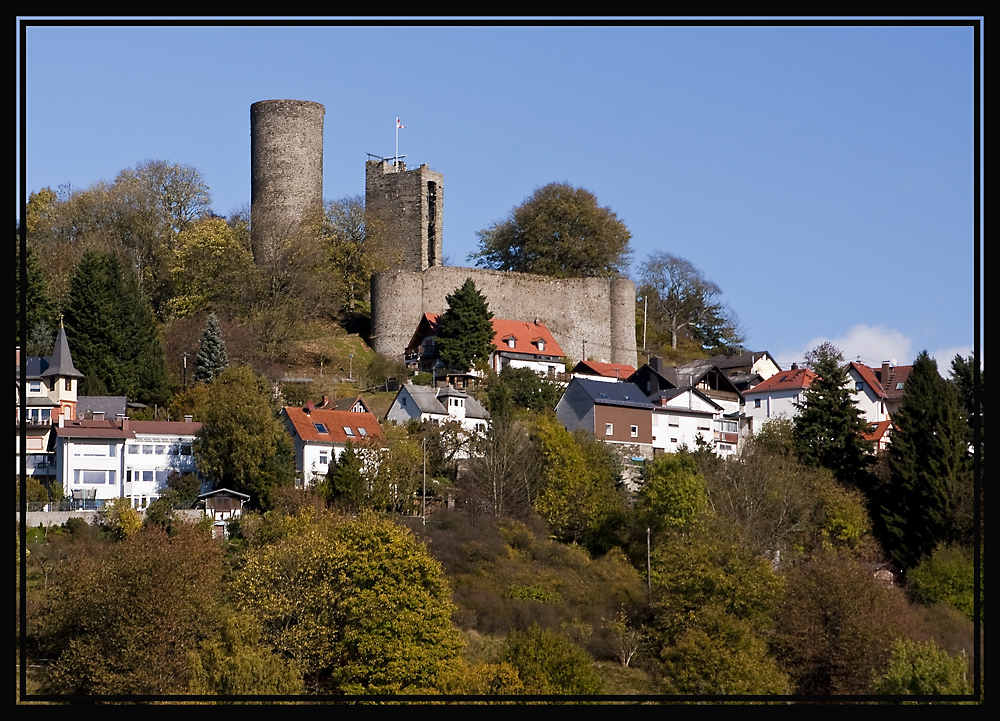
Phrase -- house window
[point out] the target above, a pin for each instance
(673, 421)
(34, 386)
(324, 459)
(511, 342)
(756, 402)
(541, 345)
(68, 384)
(348, 431)
(609, 429)
(320, 427)
(133, 447)
(362, 432)
(859, 386)
(634, 431)
(402, 402)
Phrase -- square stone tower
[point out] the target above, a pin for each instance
(410, 204)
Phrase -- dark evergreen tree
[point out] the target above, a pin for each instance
(963, 377)
(927, 500)
(829, 426)
(39, 310)
(466, 331)
(211, 359)
(345, 484)
(113, 334)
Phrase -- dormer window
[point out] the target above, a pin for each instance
(511, 342)
(34, 386)
(541, 344)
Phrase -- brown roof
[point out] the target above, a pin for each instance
(124, 429)
(333, 423)
(606, 370)
(869, 377)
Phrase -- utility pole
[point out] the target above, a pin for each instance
(424, 512)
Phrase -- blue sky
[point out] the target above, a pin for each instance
(822, 176)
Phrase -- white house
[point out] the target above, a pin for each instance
(682, 415)
(440, 406)
(321, 435)
(777, 396)
(103, 459)
(519, 344)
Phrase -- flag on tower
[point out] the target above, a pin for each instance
(399, 125)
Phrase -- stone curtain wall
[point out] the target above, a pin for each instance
(286, 169)
(401, 199)
(599, 311)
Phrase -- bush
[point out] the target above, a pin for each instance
(945, 576)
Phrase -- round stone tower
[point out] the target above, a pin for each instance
(286, 171)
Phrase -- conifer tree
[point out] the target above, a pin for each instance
(466, 332)
(211, 359)
(829, 427)
(924, 503)
(39, 310)
(345, 483)
(113, 334)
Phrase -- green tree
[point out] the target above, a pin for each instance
(39, 310)
(211, 359)
(673, 493)
(466, 330)
(346, 484)
(917, 669)
(356, 246)
(550, 664)
(945, 576)
(829, 425)
(525, 389)
(210, 260)
(682, 303)
(358, 603)
(928, 499)
(242, 445)
(111, 329)
(559, 231)
(578, 497)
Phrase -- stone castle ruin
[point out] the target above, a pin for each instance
(590, 317)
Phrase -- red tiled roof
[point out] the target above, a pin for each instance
(527, 335)
(334, 422)
(114, 429)
(868, 376)
(785, 380)
(876, 431)
(607, 370)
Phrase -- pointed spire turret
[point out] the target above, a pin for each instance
(60, 363)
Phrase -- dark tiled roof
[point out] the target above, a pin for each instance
(614, 394)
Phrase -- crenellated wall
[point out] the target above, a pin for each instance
(589, 317)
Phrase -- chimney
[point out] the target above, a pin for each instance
(124, 423)
(188, 419)
(326, 401)
(98, 415)
(885, 374)
(795, 367)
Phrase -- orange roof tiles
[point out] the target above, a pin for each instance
(607, 370)
(526, 334)
(362, 425)
(785, 380)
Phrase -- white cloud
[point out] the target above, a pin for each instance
(868, 344)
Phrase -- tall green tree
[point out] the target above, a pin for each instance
(559, 231)
(829, 425)
(242, 445)
(928, 499)
(211, 359)
(466, 330)
(113, 334)
(346, 484)
(39, 310)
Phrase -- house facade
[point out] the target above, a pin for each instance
(777, 396)
(321, 435)
(97, 460)
(50, 391)
(683, 416)
(518, 344)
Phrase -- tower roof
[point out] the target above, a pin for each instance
(61, 362)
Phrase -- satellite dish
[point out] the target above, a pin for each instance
(893, 361)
